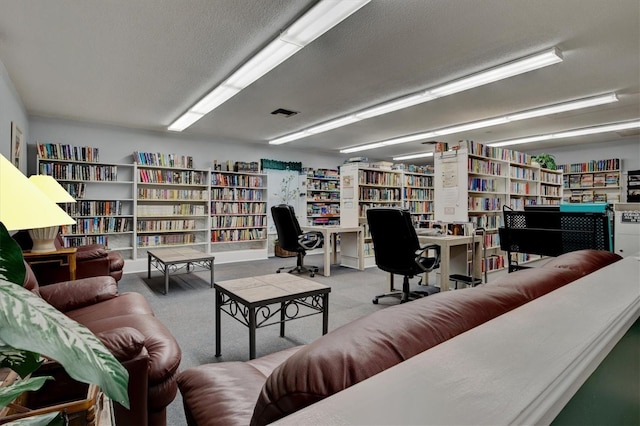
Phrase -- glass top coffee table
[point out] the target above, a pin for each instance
(171, 260)
(247, 300)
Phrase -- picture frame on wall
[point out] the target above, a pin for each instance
(16, 145)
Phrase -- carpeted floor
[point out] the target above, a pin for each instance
(188, 311)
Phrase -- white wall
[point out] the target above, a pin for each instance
(117, 144)
(11, 110)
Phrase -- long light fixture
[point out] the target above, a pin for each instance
(412, 156)
(491, 75)
(318, 20)
(612, 127)
(523, 115)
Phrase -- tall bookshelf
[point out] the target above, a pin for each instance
(172, 202)
(104, 210)
(238, 215)
(323, 197)
(362, 188)
(417, 193)
(489, 179)
(592, 181)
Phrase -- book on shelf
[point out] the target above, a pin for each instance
(599, 179)
(599, 197)
(587, 197)
(611, 179)
(574, 181)
(586, 181)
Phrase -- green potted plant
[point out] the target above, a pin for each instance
(31, 328)
(546, 161)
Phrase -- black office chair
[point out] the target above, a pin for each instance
(398, 251)
(291, 238)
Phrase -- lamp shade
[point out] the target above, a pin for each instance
(52, 189)
(23, 205)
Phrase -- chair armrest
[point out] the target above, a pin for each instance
(420, 255)
(310, 240)
(69, 295)
(91, 254)
(124, 343)
(91, 247)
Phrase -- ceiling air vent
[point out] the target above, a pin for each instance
(283, 112)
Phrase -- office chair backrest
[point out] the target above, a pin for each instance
(287, 226)
(395, 241)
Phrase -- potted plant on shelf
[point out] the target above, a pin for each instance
(546, 161)
(31, 328)
(286, 195)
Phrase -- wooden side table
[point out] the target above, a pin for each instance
(63, 257)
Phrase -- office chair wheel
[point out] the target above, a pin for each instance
(375, 301)
(278, 271)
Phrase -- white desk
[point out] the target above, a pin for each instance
(351, 246)
(519, 368)
(453, 255)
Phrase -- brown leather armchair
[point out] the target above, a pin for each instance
(92, 260)
(127, 326)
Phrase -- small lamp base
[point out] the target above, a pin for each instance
(43, 239)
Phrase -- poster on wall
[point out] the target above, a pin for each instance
(16, 145)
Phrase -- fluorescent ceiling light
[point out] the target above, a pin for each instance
(319, 19)
(501, 72)
(412, 156)
(287, 138)
(614, 127)
(186, 120)
(333, 124)
(536, 112)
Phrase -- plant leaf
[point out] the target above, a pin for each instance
(11, 261)
(9, 393)
(30, 323)
(22, 362)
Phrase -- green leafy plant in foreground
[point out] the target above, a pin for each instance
(29, 326)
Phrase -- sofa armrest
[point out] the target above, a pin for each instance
(127, 345)
(91, 247)
(69, 295)
(98, 253)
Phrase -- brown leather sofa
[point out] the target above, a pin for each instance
(126, 325)
(266, 389)
(92, 260)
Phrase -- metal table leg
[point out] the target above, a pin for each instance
(325, 313)
(252, 333)
(218, 325)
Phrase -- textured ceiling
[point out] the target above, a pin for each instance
(142, 63)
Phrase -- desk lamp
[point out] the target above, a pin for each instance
(24, 206)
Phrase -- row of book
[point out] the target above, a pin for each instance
(221, 179)
(486, 221)
(220, 207)
(94, 208)
(523, 188)
(166, 225)
(324, 197)
(236, 194)
(172, 194)
(238, 235)
(171, 210)
(380, 194)
(519, 203)
(239, 221)
(163, 160)
(482, 184)
(550, 191)
(550, 178)
(591, 166)
(363, 207)
(479, 204)
(236, 166)
(323, 209)
(165, 240)
(421, 181)
(324, 221)
(85, 240)
(56, 151)
(323, 185)
(416, 207)
(592, 180)
(75, 189)
(172, 177)
(522, 173)
(486, 167)
(592, 197)
(418, 194)
(378, 178)
(323, 174)
(504, 154)
(98, 225)
(71, 171)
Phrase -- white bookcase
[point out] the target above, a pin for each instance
(592, 181)
(171, 207)
(323, 197)
(360, 189)
(238, 215)
(104, 210)
(417, 195)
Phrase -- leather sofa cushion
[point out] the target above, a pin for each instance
(90, 254)
(367, 346)
(583, 261)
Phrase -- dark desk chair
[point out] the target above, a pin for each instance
(291, 238)
(398, 251)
